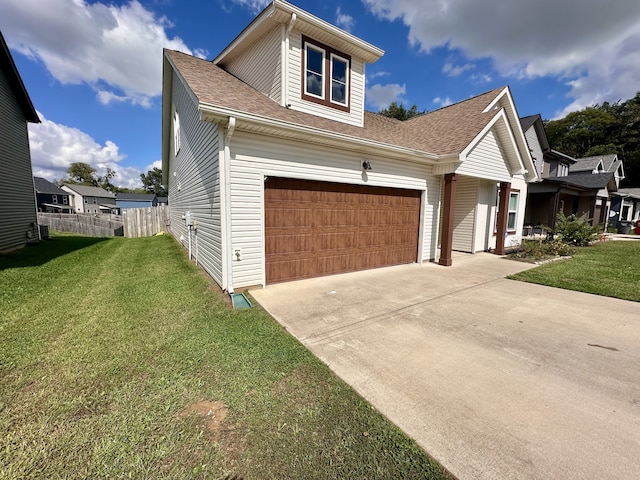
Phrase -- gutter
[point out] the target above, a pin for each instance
(210, 112)
(225, 200)
(285, 58)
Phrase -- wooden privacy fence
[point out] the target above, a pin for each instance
(95, 225)
(145, 222)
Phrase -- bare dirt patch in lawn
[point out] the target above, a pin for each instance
(211, 414)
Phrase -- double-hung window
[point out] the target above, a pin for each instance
(512, 214)
(54, 199)
(339, 79)
(326, 74)
(314, 75)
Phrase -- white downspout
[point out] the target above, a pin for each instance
(285, 60)
(225, 193)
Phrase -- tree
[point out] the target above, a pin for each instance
(152, 182)
(398, 111)
(105, 181)
(82, 174)
(600, 130)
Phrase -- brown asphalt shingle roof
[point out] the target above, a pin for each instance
(445, 131)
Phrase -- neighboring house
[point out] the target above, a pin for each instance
(581, 187)
(18, 215)
(276, 172)
(50, 198)
(85, 199)
(625, 206)
(163, 200)
(136, 200)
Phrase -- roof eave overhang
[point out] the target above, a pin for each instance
(281, 12)
(250, 122)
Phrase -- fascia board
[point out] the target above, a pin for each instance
(245, 119)
(500, 116)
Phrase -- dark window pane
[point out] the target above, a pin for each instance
(314, 84)
(339, 71)
(338, 92)
(314, 60)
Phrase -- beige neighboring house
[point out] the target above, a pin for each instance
(276, 171)
(85, 199)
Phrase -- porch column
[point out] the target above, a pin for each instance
(503, 212)
(448, 209)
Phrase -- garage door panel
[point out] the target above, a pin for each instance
(289, 244)
(321, 228)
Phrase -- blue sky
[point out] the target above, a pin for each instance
(93, 68)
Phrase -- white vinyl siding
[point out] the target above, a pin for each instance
(535, 148)
(17, 202)
(465, 214)
(195, 187)
(356, 88)
(254, 157)
(486, 160)
(260, 65)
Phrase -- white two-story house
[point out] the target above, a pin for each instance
(276, 172)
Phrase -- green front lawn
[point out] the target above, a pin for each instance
(611, 269)
(120, 359)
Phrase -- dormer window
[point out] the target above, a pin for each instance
(325, 75)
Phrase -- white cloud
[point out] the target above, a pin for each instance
(593, 46)
(255, 6)
(344, 21)
(455, 70)
(442, 102)
(54, 147)
(117, 50)
(380, 96)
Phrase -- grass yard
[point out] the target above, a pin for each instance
(120, 359)
(611, 269)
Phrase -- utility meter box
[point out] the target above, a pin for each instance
(188, 218)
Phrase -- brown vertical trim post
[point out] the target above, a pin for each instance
(503, 213)
(448, 210)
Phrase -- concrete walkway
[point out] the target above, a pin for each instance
(496, 379)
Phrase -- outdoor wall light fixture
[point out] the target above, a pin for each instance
(366, 165)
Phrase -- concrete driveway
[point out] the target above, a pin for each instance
(496, 379)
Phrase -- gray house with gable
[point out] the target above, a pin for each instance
(18, 218)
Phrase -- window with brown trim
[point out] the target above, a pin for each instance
(326, 75)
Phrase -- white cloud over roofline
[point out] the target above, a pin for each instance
(594, 47)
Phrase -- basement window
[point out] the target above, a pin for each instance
(326, 73)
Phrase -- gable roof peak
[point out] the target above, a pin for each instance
(283, 12)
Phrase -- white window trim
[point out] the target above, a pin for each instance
(346, 80)
(311, 46)
(54, 198)
(176, 132)
(65, 200)
(515, 212)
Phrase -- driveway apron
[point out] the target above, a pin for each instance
(496, 379)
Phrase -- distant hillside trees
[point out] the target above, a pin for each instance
(600, 130)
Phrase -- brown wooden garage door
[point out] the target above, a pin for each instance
(319, 228)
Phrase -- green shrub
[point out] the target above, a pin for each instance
(573, 230)
(544, 248)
